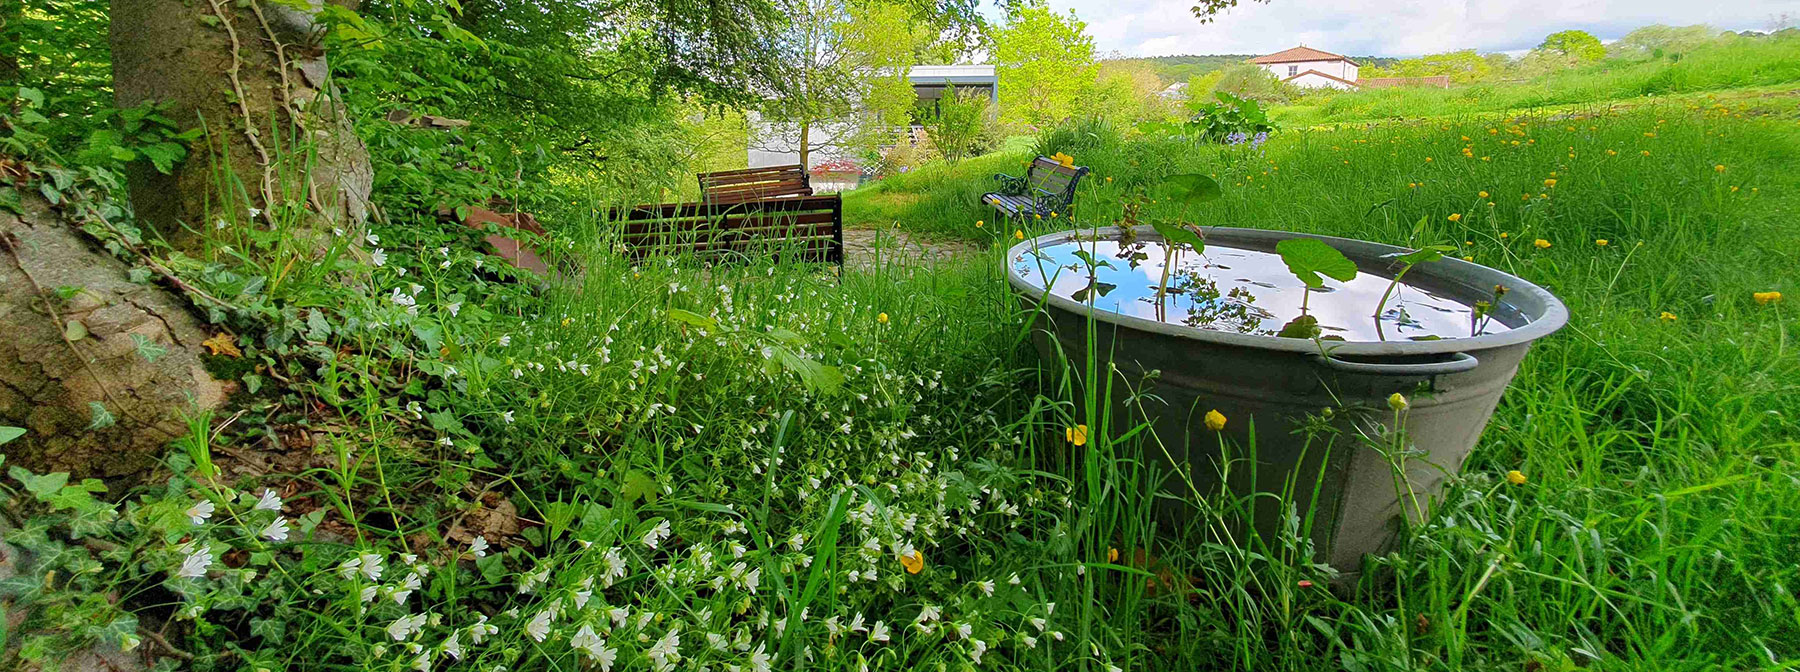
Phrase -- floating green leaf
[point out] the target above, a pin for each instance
(1306, 258)
(1304, 326)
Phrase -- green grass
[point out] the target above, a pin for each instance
(1659, 524)
(1733, 64)
(802, 434)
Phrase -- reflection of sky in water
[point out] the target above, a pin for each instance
(1243, 291)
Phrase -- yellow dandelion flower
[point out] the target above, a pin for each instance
(1551, 183)
(1215, 420)
(1515, 477)
(1667, 316)
(1601, 242)
(1455, 216)
(1719, 168)
(1504, 234)
(1482, 194)
(979, 223)
(1018, 234)
(1766, 298)
(1541, 244)
(882, 318)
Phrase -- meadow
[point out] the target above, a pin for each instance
(772, 465)
(1657, 432)
(1740, 68)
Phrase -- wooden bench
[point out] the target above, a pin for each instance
(796, 228)
(1048, 186)
(754, 184)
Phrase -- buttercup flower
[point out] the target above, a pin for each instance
(1077, 435)
(1766, 298)
(913, 561)
(1515, 477)
(1601, 242)
(882, 318)
(1667, 316)
(1019, 234)
(1455, 216)
(1215, 420)
(1541, 244)
(1397, 401)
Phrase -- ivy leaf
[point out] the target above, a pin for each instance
(1192, 188)
(7, 434)
(148, 349)
(102, 418)
(1306, 258)
(638, 485)
(40, 486)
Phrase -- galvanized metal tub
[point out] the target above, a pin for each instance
(1351, 491)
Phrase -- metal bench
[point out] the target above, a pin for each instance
(754, 184)
(1048, 186)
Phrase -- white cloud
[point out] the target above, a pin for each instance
(1392, 27)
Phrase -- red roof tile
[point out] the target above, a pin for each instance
(1299, 54)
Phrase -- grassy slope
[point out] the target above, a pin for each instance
(1660, 524)
(1739, 64)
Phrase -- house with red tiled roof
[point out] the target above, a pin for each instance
(1310, 68)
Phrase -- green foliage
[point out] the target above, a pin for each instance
(1576, 45)
(1231, 119)
(1462, 67)
(1045, 62)
(1255, 83)
(1659, 41)
(958, 123)
(1308, 258)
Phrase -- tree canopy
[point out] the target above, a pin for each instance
(1045, 61)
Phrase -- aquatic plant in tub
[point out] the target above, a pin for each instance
(1401, 353)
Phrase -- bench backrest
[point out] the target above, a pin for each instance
(752, 184)
(805, 228)
(1049, 175)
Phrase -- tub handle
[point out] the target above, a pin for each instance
(1458, 363)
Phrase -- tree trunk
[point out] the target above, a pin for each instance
(805, 144)
(279, 146)
(115, 351)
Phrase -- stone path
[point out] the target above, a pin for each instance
(865, 246)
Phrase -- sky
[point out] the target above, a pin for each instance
(1394, 27)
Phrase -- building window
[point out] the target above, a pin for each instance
(1293, 70)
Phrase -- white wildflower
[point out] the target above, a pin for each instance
(269, 501)
(586, 641)
(406, 587)
(453, 646)
(481, 629)
(880, 633)
(369, 564)
(406, 626)
(478, 546)
(759, 659)
(987, 587)
(200, 511)
(657, 534)
(194, 565)
(378, 257)
(539, 626)
(276, 531)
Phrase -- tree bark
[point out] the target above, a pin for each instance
(129, 348)
(279, 147)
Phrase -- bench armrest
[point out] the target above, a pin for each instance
(1047, 201)
(1010, 185)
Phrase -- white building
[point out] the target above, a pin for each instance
(1310, 68)
(779, 144)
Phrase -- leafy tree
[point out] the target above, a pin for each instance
(1655, 41)
(957, 122)
(850, 90)
(1249, 81)
(1046, 65)
(1578, 46)
(1461, 66)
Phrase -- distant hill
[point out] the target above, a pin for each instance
(1172, 69)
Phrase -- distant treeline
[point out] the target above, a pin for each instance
(1172, 69)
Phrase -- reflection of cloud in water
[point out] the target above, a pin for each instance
(1246, 291)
